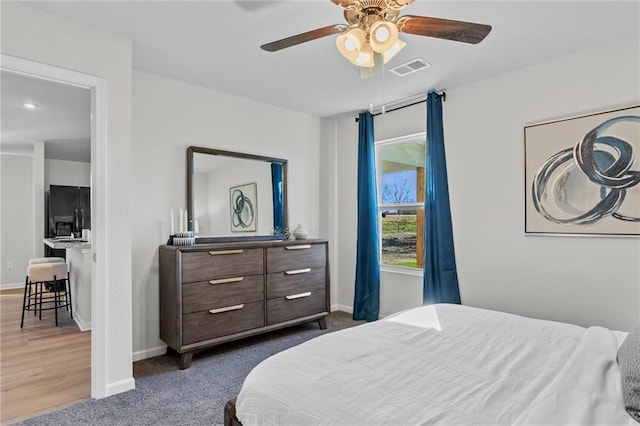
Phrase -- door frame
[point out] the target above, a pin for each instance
(99, 202)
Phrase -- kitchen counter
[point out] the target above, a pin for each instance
(67, 243)
(79, 260)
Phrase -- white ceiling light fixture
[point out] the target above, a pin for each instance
(29, 105)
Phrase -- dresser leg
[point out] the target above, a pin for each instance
(323, 323)
(185, 360)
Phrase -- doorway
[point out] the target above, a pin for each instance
(99, 252)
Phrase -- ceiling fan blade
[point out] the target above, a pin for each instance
(304, 37)
(466, 32)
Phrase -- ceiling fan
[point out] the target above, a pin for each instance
(373, 27)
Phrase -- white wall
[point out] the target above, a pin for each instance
(70, 173)
(37, 36)
(169, 116)
(17, 218)
(330, 217)
(37, 161)
(581, 280)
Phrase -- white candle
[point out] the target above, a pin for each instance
(173, 231)
(196, 227)
(181, 227)
(186, 221)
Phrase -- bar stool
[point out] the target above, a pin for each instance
(36, 260)
(50, 277)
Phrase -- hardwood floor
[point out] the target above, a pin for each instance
(42, 367)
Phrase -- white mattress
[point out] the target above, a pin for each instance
(442, 364)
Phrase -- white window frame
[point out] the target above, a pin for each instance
(415, 137)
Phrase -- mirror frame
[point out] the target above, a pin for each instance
(240, 155)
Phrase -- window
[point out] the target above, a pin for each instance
(400, 165)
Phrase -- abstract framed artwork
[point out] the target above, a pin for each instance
(244, 207)
(582, 175)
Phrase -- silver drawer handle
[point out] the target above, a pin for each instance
(226, 280)
(306, 246)
(298, 271)
(226, 309)
(298, 296)
(215, 252)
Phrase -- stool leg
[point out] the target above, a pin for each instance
(35, 301)
(40, 293)
(28, 295)
(24, 299)
(56, 297)
(70, 304)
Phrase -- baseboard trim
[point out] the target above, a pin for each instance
(120, 386)
(82, 324)
(11, 286)
(343, 308)
(149, 353)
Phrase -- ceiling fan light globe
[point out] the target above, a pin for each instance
(364, 57)
(350, 43)
(381, 34)
(384, 35)
(398, 46)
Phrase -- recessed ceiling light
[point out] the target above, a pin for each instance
(29, 105)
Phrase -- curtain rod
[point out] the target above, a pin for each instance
(442, 94)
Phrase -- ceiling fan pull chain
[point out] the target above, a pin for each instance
(371, 78)
(383, 106)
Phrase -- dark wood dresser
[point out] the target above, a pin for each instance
(215, 293)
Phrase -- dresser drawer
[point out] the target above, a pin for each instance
(296, 257)
(295, 306)
(205, 295)
(204, 325)
(222, 263)
(294, 281)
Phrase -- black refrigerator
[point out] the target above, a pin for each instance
(68, 211)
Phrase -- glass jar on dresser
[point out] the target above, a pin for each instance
(215, 293)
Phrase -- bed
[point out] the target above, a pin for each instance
(441, 364)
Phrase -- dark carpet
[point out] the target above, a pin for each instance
(166, 395)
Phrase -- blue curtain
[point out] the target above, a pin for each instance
(278, 210)
(440, 283)
(366, 303)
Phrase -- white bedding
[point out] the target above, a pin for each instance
(442, 364)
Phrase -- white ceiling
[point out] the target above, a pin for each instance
(216, 44)
(61, 118)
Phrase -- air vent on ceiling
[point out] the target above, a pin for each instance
(410, 67)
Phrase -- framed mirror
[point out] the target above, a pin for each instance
(235, 196)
